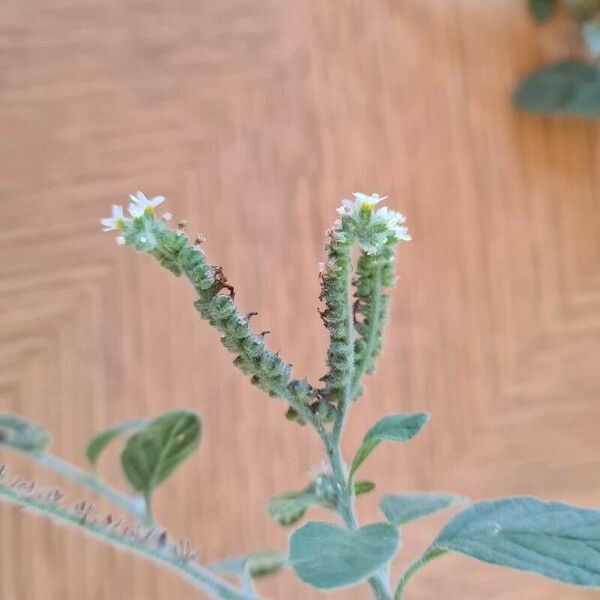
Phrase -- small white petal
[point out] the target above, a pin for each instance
(116, 221)
(167, 216)
(135, 210)
(120, 240)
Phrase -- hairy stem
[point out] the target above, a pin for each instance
(133, 506)
(200, 577)
(345, 507)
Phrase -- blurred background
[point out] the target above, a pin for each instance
(254, 118)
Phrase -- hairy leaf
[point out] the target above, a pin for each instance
(568, 88)
(289, 507)
(265, 562)
(256, 564)
(328, 556)
(101, 440)
(152, 453)
(557, 540)
(398, 428)
(363, 487)
(16, 432)
(402, 508)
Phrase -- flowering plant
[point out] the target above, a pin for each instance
(556, 540)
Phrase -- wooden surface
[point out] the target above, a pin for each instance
(254, 117)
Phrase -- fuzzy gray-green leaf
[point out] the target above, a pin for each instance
(152, 453)
(255, 564)
(363, 487)
(289, 507)
(265, 562)
(328, 556)
(101, 440)
(398, 428)
(19, 433)
(402, 508)
(557, 540)
(568, 88)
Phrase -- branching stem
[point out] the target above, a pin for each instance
(134, 506)
(198, 576)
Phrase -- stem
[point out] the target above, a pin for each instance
(128, 504)
(426, 557)
(331, 441)
(345, 507)
(200, 577)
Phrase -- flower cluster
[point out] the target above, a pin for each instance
(356, 331)
(373, 228)
(173, 249)
(138, 207)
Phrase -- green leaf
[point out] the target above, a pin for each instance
(16, 432)
(568, 88)
(101, 440)
(557, 540)
(256, 564)
(402, 508)
(363, 487)
(328, 556)
(289, 507)
(398, 428)
(541, 10)
(152, 453)
(265, 562)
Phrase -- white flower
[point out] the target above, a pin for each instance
(362, 203)
(116, 222)
(120, 240)
(141, 205)
(365, 201)
(394, 222)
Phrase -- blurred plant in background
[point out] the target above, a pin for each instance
(568, 87)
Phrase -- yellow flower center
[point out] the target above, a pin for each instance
(366, 208)
(149, 209)
(120, 223)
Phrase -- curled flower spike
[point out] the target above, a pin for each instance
(140, 205)
(116, 222)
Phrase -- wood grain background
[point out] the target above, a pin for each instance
(254, 117)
